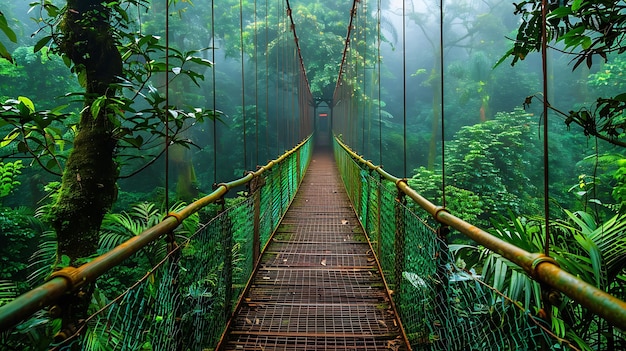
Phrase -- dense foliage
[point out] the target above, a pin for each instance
(106, 72)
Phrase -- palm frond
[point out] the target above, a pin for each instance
(42, 261)
(8, 291)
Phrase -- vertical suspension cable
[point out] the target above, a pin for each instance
(267, 81)
(213, 84)
(404, 83)
(544, 68)
(256, 87)
(443, 109)
(378, 63)
(364, 94)
(243, 87)
(343, 125)
(367, 108)
(278, 52)
(167, 105)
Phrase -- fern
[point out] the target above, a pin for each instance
(8, 291)
(42, 261)
(8, 176)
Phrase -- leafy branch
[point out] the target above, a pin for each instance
(586, 30)
(605, 121)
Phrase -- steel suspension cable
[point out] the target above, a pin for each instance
(243, 87)
(366, 109)
(167, 104)
(404, 84)
(443, 109)
(278, 52)
(345, 49)
(545, 296)
(378, 64)
(546, 170)
(256, 87)
(364, 94)
(267, 81)
(213, 86)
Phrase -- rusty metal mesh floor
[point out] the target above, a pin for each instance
(317, 286)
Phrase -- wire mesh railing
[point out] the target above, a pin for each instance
(441, 305)
(184, 301)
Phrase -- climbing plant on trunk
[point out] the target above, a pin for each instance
(88, 187)
(115, 65)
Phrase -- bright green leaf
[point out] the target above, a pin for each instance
(27, 102)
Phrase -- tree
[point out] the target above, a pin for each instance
(585, 30)
(115, 66)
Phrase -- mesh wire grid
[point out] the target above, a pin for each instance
(185, 300)
(317, 286)
(441, 306)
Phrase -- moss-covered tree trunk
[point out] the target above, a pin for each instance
(88, 185)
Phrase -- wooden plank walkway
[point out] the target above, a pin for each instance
(318, 286)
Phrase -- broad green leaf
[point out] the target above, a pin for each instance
(4, 26)
(620, 97)
(586, 42)
(5, 54)
(576, 5)
(560, 12)
(27, 102)
(42, 42)
(96, 106)
(10, 137)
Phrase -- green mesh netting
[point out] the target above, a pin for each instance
(441, 306)
(183, 302)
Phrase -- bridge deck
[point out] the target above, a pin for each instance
(317, 286)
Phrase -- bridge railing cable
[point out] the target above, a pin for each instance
(443, 304)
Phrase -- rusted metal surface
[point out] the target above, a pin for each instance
(318, 286)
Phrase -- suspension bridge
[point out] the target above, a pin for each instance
(324, 250)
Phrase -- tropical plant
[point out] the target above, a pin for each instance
(119, 227)
(8, 176)
(462, 203)
(594, 252)
(493, 160)
(586, 30)
(10, 34)
(117, 66)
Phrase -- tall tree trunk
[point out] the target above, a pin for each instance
(88, 187)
